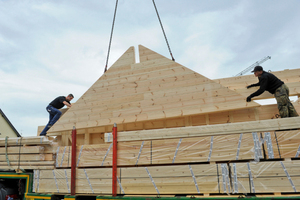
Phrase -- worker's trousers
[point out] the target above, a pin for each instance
(54, 115)
(285, 107)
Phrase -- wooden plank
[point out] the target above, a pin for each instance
(22, 149)
(26, 157)
(25, 141)
(28, 163)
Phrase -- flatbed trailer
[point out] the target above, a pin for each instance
(27, 193)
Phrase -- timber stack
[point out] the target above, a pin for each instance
(179, 133)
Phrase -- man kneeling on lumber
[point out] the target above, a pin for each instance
(272, 84)
(54, 113)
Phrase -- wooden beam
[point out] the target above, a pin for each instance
(22, 149)
(25, 141)
(219, 129)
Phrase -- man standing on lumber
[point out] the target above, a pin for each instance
(272, 84)
(54, 113)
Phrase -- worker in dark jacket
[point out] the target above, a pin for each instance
(272, 84)
(54, 113)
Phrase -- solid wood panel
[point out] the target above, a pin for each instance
(164, 91)
(287, 76)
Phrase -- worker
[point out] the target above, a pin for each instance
(54, 113)
(272, 84)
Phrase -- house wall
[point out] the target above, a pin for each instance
(5, 128)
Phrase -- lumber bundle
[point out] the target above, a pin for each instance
(24, 141)
(171, 151)
(259, 177)
(17, 154)
(136, 180)
(263, 177)
(284, 144)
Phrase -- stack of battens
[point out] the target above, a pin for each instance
(26, 153)
(182, 166)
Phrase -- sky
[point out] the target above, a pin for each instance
(53, 48)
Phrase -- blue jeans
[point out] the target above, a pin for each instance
(54, 115)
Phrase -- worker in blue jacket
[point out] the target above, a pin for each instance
(269, 82)
(54, 112)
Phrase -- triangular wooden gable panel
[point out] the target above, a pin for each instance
(156, 88)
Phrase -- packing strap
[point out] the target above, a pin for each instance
(288, 176)
(211, 148)
(152, 180)
(239, 147)
(178, 145)
(106, 153)
(86, 175)
(194, 178)
(142, 145)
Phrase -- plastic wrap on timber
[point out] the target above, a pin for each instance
(282, 144)
(168, 179)
(208, 130)
(27, 153)
(230, 178)
(25, 140)
(168, 151)
(263, 177)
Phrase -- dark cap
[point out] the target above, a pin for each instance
(257, 68)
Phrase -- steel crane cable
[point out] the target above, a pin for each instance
(163, 30)
(112, 30)
(111, 34)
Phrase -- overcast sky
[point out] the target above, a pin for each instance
(57, 47)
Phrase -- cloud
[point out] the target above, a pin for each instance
(52, 48)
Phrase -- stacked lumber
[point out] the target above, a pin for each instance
(264, 177)
(171, 151)
(248, 177)
(178, 165)
(26, 153)
(134, 180)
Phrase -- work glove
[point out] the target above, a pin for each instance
(249, 86)
(248, 99)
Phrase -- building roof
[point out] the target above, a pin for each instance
(9, 123)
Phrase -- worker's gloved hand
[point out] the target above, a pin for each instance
(249, 86)
(248, 99)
